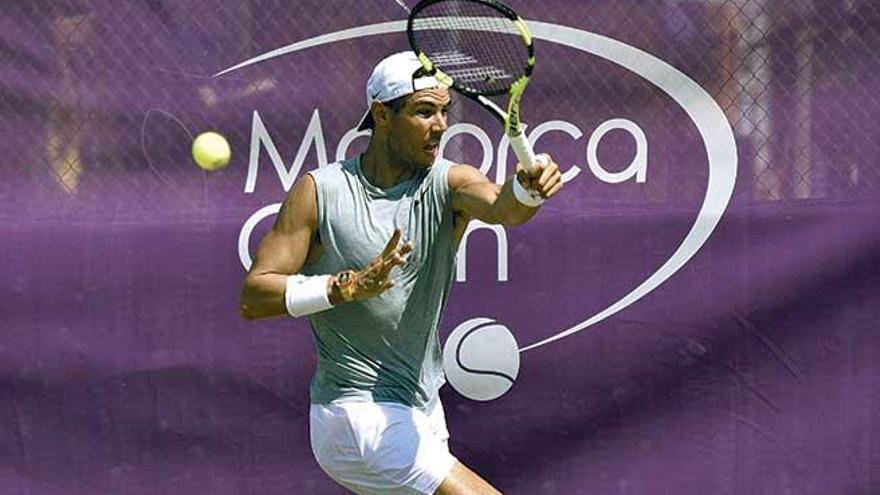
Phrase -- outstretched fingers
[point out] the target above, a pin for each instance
(392, 243)
(378, 274)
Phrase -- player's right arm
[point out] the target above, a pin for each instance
(291, 242)
(282, 252)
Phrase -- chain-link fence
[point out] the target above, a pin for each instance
(751, 369)
(101, 99)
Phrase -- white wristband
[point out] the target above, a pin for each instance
(306, 295)
(526, 197)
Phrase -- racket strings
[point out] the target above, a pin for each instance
(476, 45)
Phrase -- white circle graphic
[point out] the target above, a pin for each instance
(481, 359)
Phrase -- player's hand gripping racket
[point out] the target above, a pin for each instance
(479, 48)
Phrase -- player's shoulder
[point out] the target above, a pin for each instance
(303, 190)
(333, 175)
(460, 174)
(332, 170)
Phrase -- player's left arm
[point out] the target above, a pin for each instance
(475, 196)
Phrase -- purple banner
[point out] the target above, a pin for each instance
(695, 313)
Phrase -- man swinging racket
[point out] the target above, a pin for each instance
(365, 248)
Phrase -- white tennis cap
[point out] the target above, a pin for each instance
(393, 77)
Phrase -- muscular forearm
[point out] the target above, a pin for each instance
(514, 203)
(264, 295)
(510, 211)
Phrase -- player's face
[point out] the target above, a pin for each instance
(416, 129)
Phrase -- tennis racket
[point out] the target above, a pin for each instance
(479, 48)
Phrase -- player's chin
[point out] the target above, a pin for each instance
(428, 155)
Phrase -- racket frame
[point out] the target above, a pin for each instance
(510, 118)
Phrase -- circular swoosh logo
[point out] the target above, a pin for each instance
(707, 116)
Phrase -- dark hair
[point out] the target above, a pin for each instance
(396, 104)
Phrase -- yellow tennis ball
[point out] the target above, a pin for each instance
(211, 151)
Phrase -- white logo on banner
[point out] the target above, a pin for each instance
(479, 374)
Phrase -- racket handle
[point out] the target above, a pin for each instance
(522, 148)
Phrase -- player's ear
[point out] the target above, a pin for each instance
(381, 114)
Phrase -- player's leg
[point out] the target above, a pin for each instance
(459, 479)
(462, 481)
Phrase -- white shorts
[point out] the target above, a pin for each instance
(381, 448)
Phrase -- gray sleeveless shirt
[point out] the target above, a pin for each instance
(384, 349)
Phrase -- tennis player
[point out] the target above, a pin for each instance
(365, 248)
